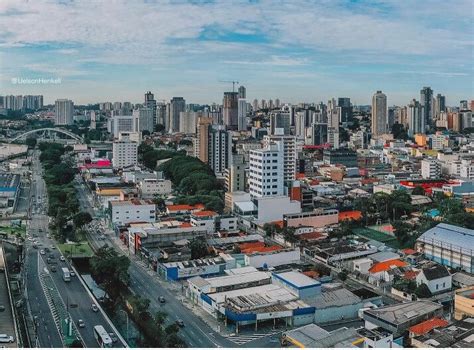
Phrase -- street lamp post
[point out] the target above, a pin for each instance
(126, 315)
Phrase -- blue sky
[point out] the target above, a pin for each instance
(300, 50)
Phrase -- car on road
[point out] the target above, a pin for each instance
(42, 252)
(46, 249)
(4, 338)
(162, 299)
(54, 269)
(94, 308)
(62, 258)
(51, 256)
(53, 247)
(72, 273)
(2, 308)
(80, 323)
(113, 337)
(180, 323)
(40, 230)
(73, 305)
(35, 246)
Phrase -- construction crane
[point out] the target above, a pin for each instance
(230, 81)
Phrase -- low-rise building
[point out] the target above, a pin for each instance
(298, 283)
(436, 277)
(150, 187)
(273, 258)
(316, 218)
(125, 212)
(9, 192)
(464, 303)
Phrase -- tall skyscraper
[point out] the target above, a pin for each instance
(440, 105)
(242, 114)
(177, 105)
(64, 112)
(161, 113)
(277, 103)
(344, 109)
(145, 119)
(150, 102)
(230, 110)
(280, 120)
(379, 113)
(123, 123)
(220, 149)
(255, 105)
(426, 100)
(320, 134)
(416, 118)
(242, 92)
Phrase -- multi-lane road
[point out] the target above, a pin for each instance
(72, 295)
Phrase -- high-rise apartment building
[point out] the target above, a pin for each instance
(201, 149)
(242, 92)
(439, 106)
(416, 118)
(344, 108)
(124, 151)
(150, 102)
(64, 112)
(319, 134)
(266, 171)
(242, 114)
(288, 145)
(220, 149)
(177, 105)
(188, 121)
(426, 101)
(280, 120)
(123, 123)
(235, 174)
(430, 169)
(230, 110)
(379, 113)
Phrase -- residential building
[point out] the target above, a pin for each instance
(430, 169)
(426, 101)
(464, 303)
(220, 149)
(280, 120)
(289, 152)
(379, 113)
(150, 103)
(242, 114)
(266, 170)
(145, 117)
(201, 148)
(150, 187)
(448, 245)
(230, 110)
(416, 118)
(177, 105)
(123, 123)
(342, 156)
(64, 112)
(436, 277)
(242, 92)
(235, 174)
(124, 153)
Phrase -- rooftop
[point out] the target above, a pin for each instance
(387, 265)
(445, 234)
(434, 272)
(297, 279)
(426, 326)
(132, 202)
(404, 312)
(331, 298)
(224, 281)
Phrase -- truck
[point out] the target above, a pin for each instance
(66, 274)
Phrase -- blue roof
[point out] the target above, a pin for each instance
(465, 187)
(444, 234)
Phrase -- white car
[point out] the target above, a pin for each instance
(42, 252)
(4, 338)
(62, 258)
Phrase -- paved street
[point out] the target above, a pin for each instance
(72, 292)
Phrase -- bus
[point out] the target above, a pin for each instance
(102, 337)
(66, 274)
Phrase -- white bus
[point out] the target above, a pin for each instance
(66, 274)
(102, 337)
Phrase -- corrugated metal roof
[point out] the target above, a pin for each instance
(459, 237)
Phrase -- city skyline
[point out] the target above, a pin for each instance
(298, 51)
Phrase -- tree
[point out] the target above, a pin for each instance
(110, 270)
(399, 132)
(81, 219)
(422, 291)
(198, 248)
(402, 231)
(418, 190)
(342, 275)
(31, 142)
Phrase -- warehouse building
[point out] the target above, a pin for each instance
(448, 245)
(9, 192)
(300, 284)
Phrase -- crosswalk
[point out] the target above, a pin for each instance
(242, 339)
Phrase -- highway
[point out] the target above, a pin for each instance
(70, 293)
(196, 333)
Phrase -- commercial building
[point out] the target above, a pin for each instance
(124, 152)
(219, 149)
(298, 283)
(123, 123)
(64, 112)
(317, 218)
(341, 156)
(448, 245)
(235, 174)
(124, 212)
(315, 337)
(426, 101)
(379, 114)
(280, 120)
(150, 187)
(201, 267)
(9, 192)
(416, 118)
(150, 103)
(242, 114)
(145, 117)
(272, 259)
(177, 105)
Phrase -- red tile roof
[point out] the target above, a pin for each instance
(386, 265)
(410, 275)
(350, 215)
(409, 251)
(182, 207)
(311, 236)
(426, 326)
(205, 213)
